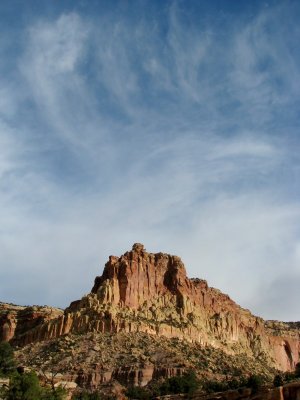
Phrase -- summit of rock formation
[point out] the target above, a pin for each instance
(142, 293)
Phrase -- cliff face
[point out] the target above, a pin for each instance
(145, 292)
(18, 320)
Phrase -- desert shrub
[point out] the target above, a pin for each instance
(236, 371)
(186, 383)
(243, 381)
(87, 396)
(212, 386)
(278, 380)
(53, 393)
(234, 383)
(7, 362)
(24, 387)
(288, 376)
(139, 393)
(297, 370)
(254, 382)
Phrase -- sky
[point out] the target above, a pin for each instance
(170, 123)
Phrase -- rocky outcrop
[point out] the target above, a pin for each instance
(146, 292)
(128, 376)
(16, 320)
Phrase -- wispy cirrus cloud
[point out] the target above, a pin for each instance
(162, 130)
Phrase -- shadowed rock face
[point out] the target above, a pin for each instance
(146, 292)
(18, 320)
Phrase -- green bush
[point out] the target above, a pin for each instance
(24, 387)
(278, 380)
(7, 362)
(87, 396)
(288, 376)
(53, 393)
(212, 386)
(138, 393)
(186, 383)
(254, 382)
(234, 383)
(297, 370)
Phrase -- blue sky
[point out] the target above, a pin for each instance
(171, 123)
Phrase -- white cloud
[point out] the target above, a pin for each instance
(57, 48)
(119, 137)
(265, 71)
(189, 49)
(51, 63)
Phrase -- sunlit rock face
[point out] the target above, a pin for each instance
(146, 292)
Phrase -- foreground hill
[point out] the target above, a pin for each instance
(143, 319)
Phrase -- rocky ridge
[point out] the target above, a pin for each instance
(17, 320)
(141, 293)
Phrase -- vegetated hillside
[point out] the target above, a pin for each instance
(145, 320)
(134, 359)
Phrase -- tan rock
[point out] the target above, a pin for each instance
(146, 292)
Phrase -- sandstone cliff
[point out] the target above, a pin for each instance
(18, 320)
(150, 293)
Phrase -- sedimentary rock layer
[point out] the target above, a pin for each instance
(16, 320)
(151, 293)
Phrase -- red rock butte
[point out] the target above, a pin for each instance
(146, 292)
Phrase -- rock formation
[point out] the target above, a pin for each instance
(18, 320)
(150, 293)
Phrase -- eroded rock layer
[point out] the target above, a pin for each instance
(16, 321)
(146, 292)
